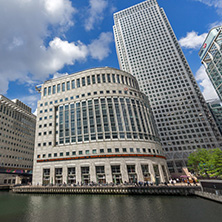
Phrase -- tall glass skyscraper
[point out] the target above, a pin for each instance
(147, 48)
(211, 56)
(216, 110)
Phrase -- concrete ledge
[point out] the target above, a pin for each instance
(5, 187)
(151, 190)
(209, 196)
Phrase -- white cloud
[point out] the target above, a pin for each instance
(29, 48)
(96, 10)
(59, 11)
(204, 81)
(58, 54)
(192, 40)
(99, 48)
(215, 24)
(213, 3)
(23, 33)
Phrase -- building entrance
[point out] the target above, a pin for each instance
(116, 174)
(85, 175)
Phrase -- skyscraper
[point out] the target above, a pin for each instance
(147, 48)
(211, 56)
(215, 106)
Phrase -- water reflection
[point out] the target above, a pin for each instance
(85, 208)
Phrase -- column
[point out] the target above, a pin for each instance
(92, 171)
(78, 174)
(139, 172)
(124, 172)
(52, 175)
(162, 179)
(152, 173)
(108, 173)
(64, 175)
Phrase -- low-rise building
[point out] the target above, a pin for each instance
(96, 126)
(17, 135)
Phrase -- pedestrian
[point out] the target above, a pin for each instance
(194, 181)
(188, 182)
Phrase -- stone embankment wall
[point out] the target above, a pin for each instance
(209, 196)
(4, 187)
(154, 190)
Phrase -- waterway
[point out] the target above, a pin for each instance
(106, 208)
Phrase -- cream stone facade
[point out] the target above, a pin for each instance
(96, 126)
(17, 135)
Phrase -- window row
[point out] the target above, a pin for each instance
(88, 80)
(101, 151)
(126, 91)
(116, 117)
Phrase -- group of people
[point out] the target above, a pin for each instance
(187, 180)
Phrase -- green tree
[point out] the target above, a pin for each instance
(215, 163)
(198, 162)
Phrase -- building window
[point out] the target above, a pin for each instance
(54, 89)
(93, 79)
(45, 91)
(63, 87)
(98, 78)
(113, 77)
(58, 88)
(73, 84)
(78, 83)
(138, 150)
(108, 78)
(88, 80)
(68, 85)
(83, 81)
(103, 78)
(49, 90)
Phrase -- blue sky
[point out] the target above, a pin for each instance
(43, 39)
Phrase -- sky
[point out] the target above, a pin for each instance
(44, 39)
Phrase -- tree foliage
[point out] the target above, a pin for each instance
(206, 162)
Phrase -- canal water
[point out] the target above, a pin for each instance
(106, 208)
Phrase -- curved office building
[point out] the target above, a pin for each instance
(96, 126)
